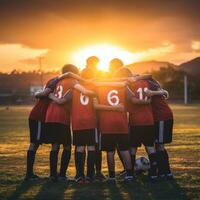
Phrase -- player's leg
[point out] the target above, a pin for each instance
(35, 132)
(123, 145)
(66, 154)
(65, 158)
(90, 162)
(123, 172)
(164, 136)
(54, 161)
(80, 162)
(133, 152)
(108, 144)
(98, 157)
(163, 160)
(148, 138)
(30, 161)
(153, 162)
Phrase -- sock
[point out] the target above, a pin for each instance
(111, 174)
(153, 164)
(98, 160)
(167, 169)
(90, 164)
(66, 155)
(30, 162)
(53, 163)
(161, 164)
(133, 163)
(80, 160)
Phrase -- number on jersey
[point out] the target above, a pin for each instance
(59, 91)
(112, 98)
(141, 93)
(84, 99)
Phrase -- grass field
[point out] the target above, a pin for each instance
(184, 156)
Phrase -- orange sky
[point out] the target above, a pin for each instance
(62, 31)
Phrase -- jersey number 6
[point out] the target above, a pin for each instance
(112, 98)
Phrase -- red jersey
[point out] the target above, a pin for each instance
(60, 113)
(38, 112)
(161, 110)
(112, 122)
(83, 112)
(140, 115)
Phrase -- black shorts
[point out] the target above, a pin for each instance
(109, 142)
(57, 133)
(164, 131)
(36, 129)
(84, 137)
(142, 135)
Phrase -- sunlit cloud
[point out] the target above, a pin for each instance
(195, 45)
(10, 54)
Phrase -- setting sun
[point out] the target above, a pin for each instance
(105, 53)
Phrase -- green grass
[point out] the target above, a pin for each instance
(184, 157)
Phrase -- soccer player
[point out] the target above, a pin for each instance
(92, 65)
(114, 127)
(36, 126)
(58, 125)
(163, 118)
(142, 126)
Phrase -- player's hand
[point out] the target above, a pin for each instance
(120, 107)
(148, 101)
(166, 94)
(131, 79)
(36, 93)
(147, 92)
(51, 95)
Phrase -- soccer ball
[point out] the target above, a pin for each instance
(142, 164)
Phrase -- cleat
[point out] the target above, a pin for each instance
(169, 176)
(153, 179)
(99, 176)
(128, 179)
(32, 178)
(162, 177)
(80, 180)
(111, 181)
(122, 174)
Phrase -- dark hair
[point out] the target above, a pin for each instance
(87, 73)
(70, 68)
(123, 72)
(92, 61)
(115, 64)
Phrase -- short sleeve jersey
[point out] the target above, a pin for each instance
(161, 110)
(83, 112)
(60, 113)
(38, 112)
(140, 115)
(112, 122)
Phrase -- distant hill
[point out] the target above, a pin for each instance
(191, 67)
(148, 66)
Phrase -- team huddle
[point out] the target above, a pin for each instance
(98, 112)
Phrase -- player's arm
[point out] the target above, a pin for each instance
(83, 90)
(139, 77)
(159, 92)
(70, 75)
(43, 93)
(67, 97)
(97, 106)
(112, 84)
